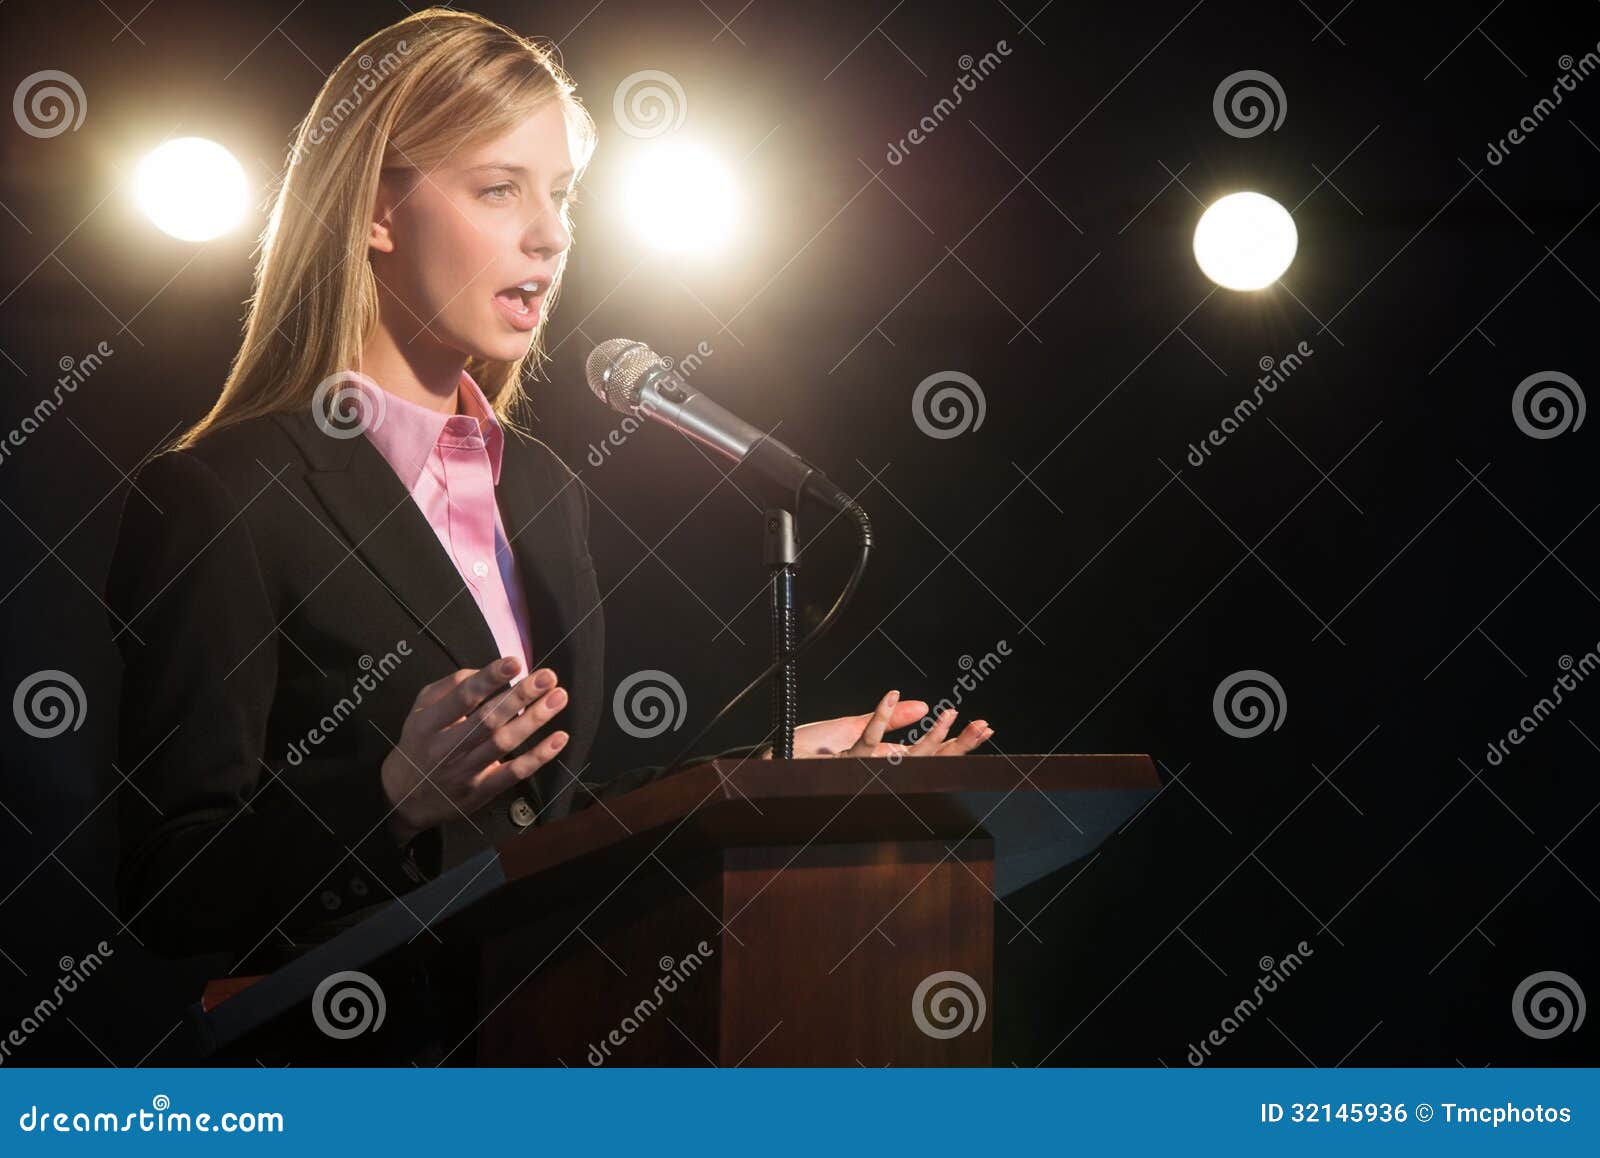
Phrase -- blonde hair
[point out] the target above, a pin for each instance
(400, 99)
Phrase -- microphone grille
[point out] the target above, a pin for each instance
(615, 369)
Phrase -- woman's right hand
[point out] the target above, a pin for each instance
(447, 762)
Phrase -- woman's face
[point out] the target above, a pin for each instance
(450, 248)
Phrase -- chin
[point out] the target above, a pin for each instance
(501, 347)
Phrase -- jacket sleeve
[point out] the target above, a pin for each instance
(223, 847)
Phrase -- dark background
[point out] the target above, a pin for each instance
(1381, 537)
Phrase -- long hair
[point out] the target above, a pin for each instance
(399, 99)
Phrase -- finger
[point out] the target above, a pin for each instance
(467, 693)
(496, 778)
(872, 734)
(969, 738)
(930, 740)
(509, 702)
(906, 713)
(499, 742)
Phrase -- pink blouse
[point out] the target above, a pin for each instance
(451, 464)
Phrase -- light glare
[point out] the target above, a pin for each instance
(681, 199)
(191, 188)
(1245, 241)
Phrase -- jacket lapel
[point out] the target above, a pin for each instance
(390, 534)
(544, 540)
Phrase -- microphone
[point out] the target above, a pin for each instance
(632, 378)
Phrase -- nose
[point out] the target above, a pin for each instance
(547, 235)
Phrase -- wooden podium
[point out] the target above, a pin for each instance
(763, 912)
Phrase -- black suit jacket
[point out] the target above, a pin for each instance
(279, 599)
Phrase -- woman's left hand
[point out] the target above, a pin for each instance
(863, 735)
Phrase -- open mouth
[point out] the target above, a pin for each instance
(523, 299)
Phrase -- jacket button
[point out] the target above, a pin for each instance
(330, 900)
(522, 813)
(358, 887)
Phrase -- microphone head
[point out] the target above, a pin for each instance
(616, 370)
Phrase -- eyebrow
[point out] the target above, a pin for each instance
(518, 170)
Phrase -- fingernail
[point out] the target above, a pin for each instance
(981, 725)
(543, 680)
(507, 666)
(558, 698)
(893, 697)
(558, 743)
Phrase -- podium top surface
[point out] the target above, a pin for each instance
(724, 802)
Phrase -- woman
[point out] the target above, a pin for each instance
(355, 597)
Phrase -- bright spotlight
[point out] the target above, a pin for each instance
(1245, 241)
(191, 188)
(681, 199)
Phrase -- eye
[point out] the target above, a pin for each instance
(506, 188)
(565, 197)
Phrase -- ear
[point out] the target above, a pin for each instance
(380, 230)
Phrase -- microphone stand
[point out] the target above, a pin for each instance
(778, 553)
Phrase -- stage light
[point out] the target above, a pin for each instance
(191, 188)
(1245, 241)
(680, 198)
